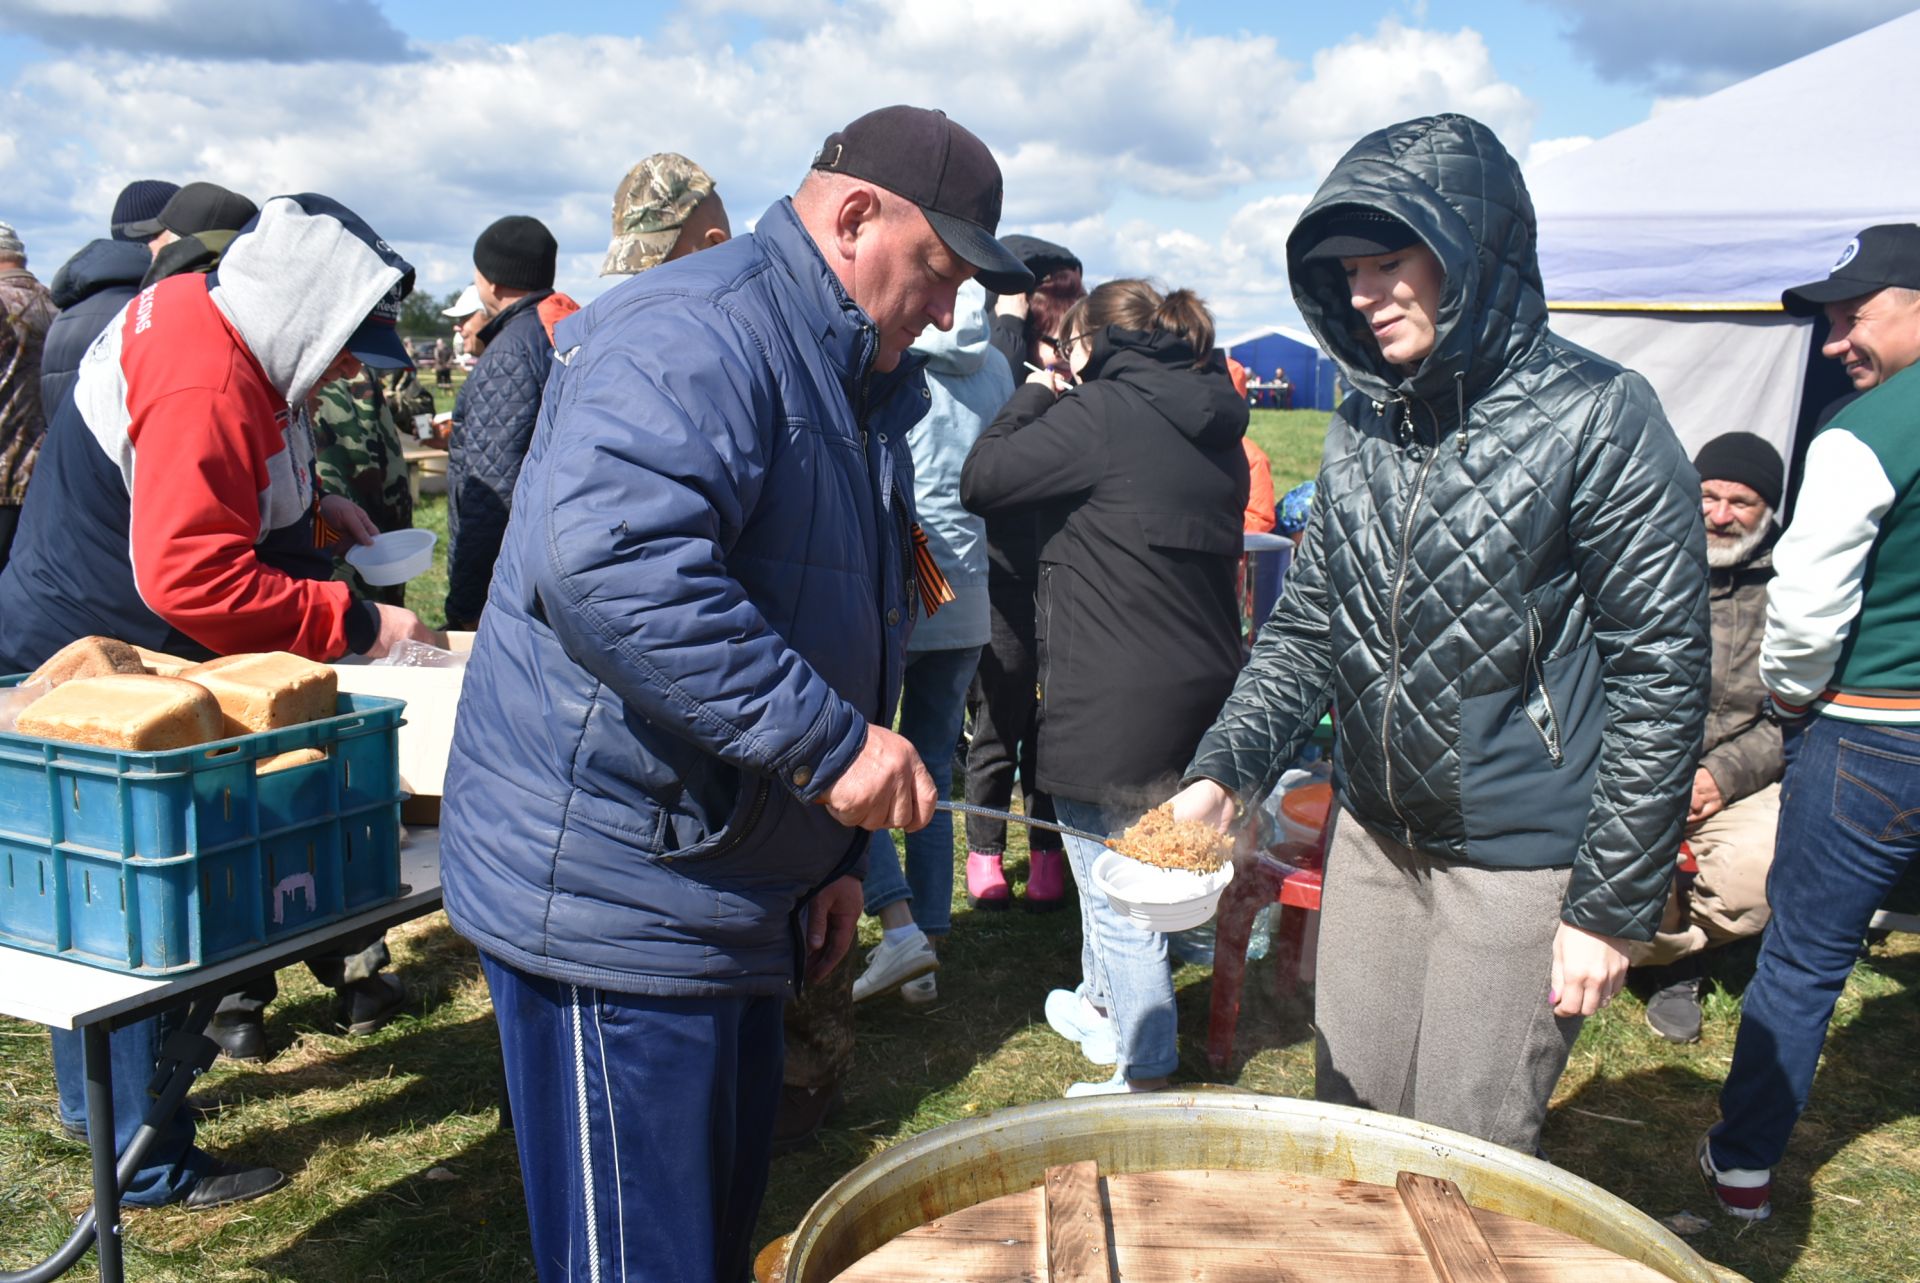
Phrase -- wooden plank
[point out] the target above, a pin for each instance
(1456, 1249)
(1231, 1227)
(1532, 1253)
(998, 1241)
(1076, 1226)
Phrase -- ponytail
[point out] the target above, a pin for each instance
(1137, 305)
(1182, 313)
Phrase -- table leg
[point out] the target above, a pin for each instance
(100, 1133)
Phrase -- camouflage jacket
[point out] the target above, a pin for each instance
(26, 310)
(358, 450)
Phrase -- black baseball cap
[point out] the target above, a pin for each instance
(1356, 231)
(1883, 255)
(196, 208)
(942, 168)
(377, 340)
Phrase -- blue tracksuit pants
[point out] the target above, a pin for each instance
(643, 1126)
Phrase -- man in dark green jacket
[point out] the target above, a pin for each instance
(1503, 592)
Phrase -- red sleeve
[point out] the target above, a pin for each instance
(1260, 515)
(200, 466)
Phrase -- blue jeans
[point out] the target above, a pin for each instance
(933, 703)
(172, 1164)
(644, 1125)
(1849, 827)
(1123, 965)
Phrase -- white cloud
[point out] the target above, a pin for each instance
(1704, 45)
(1097, 110)
(1545, 149)
(273, 30)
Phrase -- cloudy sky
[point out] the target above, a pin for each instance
(1174, 139)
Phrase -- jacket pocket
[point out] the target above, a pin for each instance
(1521, 805)
(1218, 534)
(1536, 694)
(748, 810)
(664, 799)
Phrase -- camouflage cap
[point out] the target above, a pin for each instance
(652, 204)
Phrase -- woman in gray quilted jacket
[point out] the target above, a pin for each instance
(1503, 594)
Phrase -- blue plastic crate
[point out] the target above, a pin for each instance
(153, 863)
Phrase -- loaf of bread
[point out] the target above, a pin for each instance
(162, 664)
(137, 712)
(285, 761)
(267, 692)
(88, 657)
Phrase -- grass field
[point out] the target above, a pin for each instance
(401, 1172)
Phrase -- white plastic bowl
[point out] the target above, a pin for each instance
(393, 558)
(1156, 898)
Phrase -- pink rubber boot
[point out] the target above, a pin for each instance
(987, 882)
(1046, 880)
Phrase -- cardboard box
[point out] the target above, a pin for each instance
(432, 696)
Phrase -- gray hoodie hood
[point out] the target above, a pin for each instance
(298, 281)
(961, 349)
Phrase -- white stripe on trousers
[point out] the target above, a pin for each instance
(613, 1135)
(586, 1140)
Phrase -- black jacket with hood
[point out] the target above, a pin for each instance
(90, 289)
(1504, 586)
(1138, 481)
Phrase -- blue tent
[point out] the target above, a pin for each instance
(1276, 348)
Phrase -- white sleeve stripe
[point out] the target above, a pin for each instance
(1819, 564)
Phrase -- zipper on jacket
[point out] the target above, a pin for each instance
(1393, 612)
(1549, 728)
(1046, 620)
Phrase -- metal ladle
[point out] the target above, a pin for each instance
(965, 808)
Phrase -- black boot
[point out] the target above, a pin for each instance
(371, 1004)
(1673, 1010)
(242, 1035)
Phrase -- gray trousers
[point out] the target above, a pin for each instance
(1431, 996)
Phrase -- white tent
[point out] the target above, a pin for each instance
(1665, 246)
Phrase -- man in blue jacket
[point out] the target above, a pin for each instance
(669, 740)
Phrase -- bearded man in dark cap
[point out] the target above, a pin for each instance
(1721, 893)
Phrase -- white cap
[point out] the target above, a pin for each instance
(466, 305)
(10, 241)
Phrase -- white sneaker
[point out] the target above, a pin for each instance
(1070, 1015)
(894, 963)
(1114, 1086)
(922, 991)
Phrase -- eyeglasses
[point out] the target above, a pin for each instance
(1061, 347)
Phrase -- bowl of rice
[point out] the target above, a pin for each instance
(1165, 874)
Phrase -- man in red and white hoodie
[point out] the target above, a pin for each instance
(174, 506)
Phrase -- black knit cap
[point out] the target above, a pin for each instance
(1743, 457)
(518, 252)
(140, 201)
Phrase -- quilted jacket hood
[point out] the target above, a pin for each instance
(99, 265)
(1450, 180)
